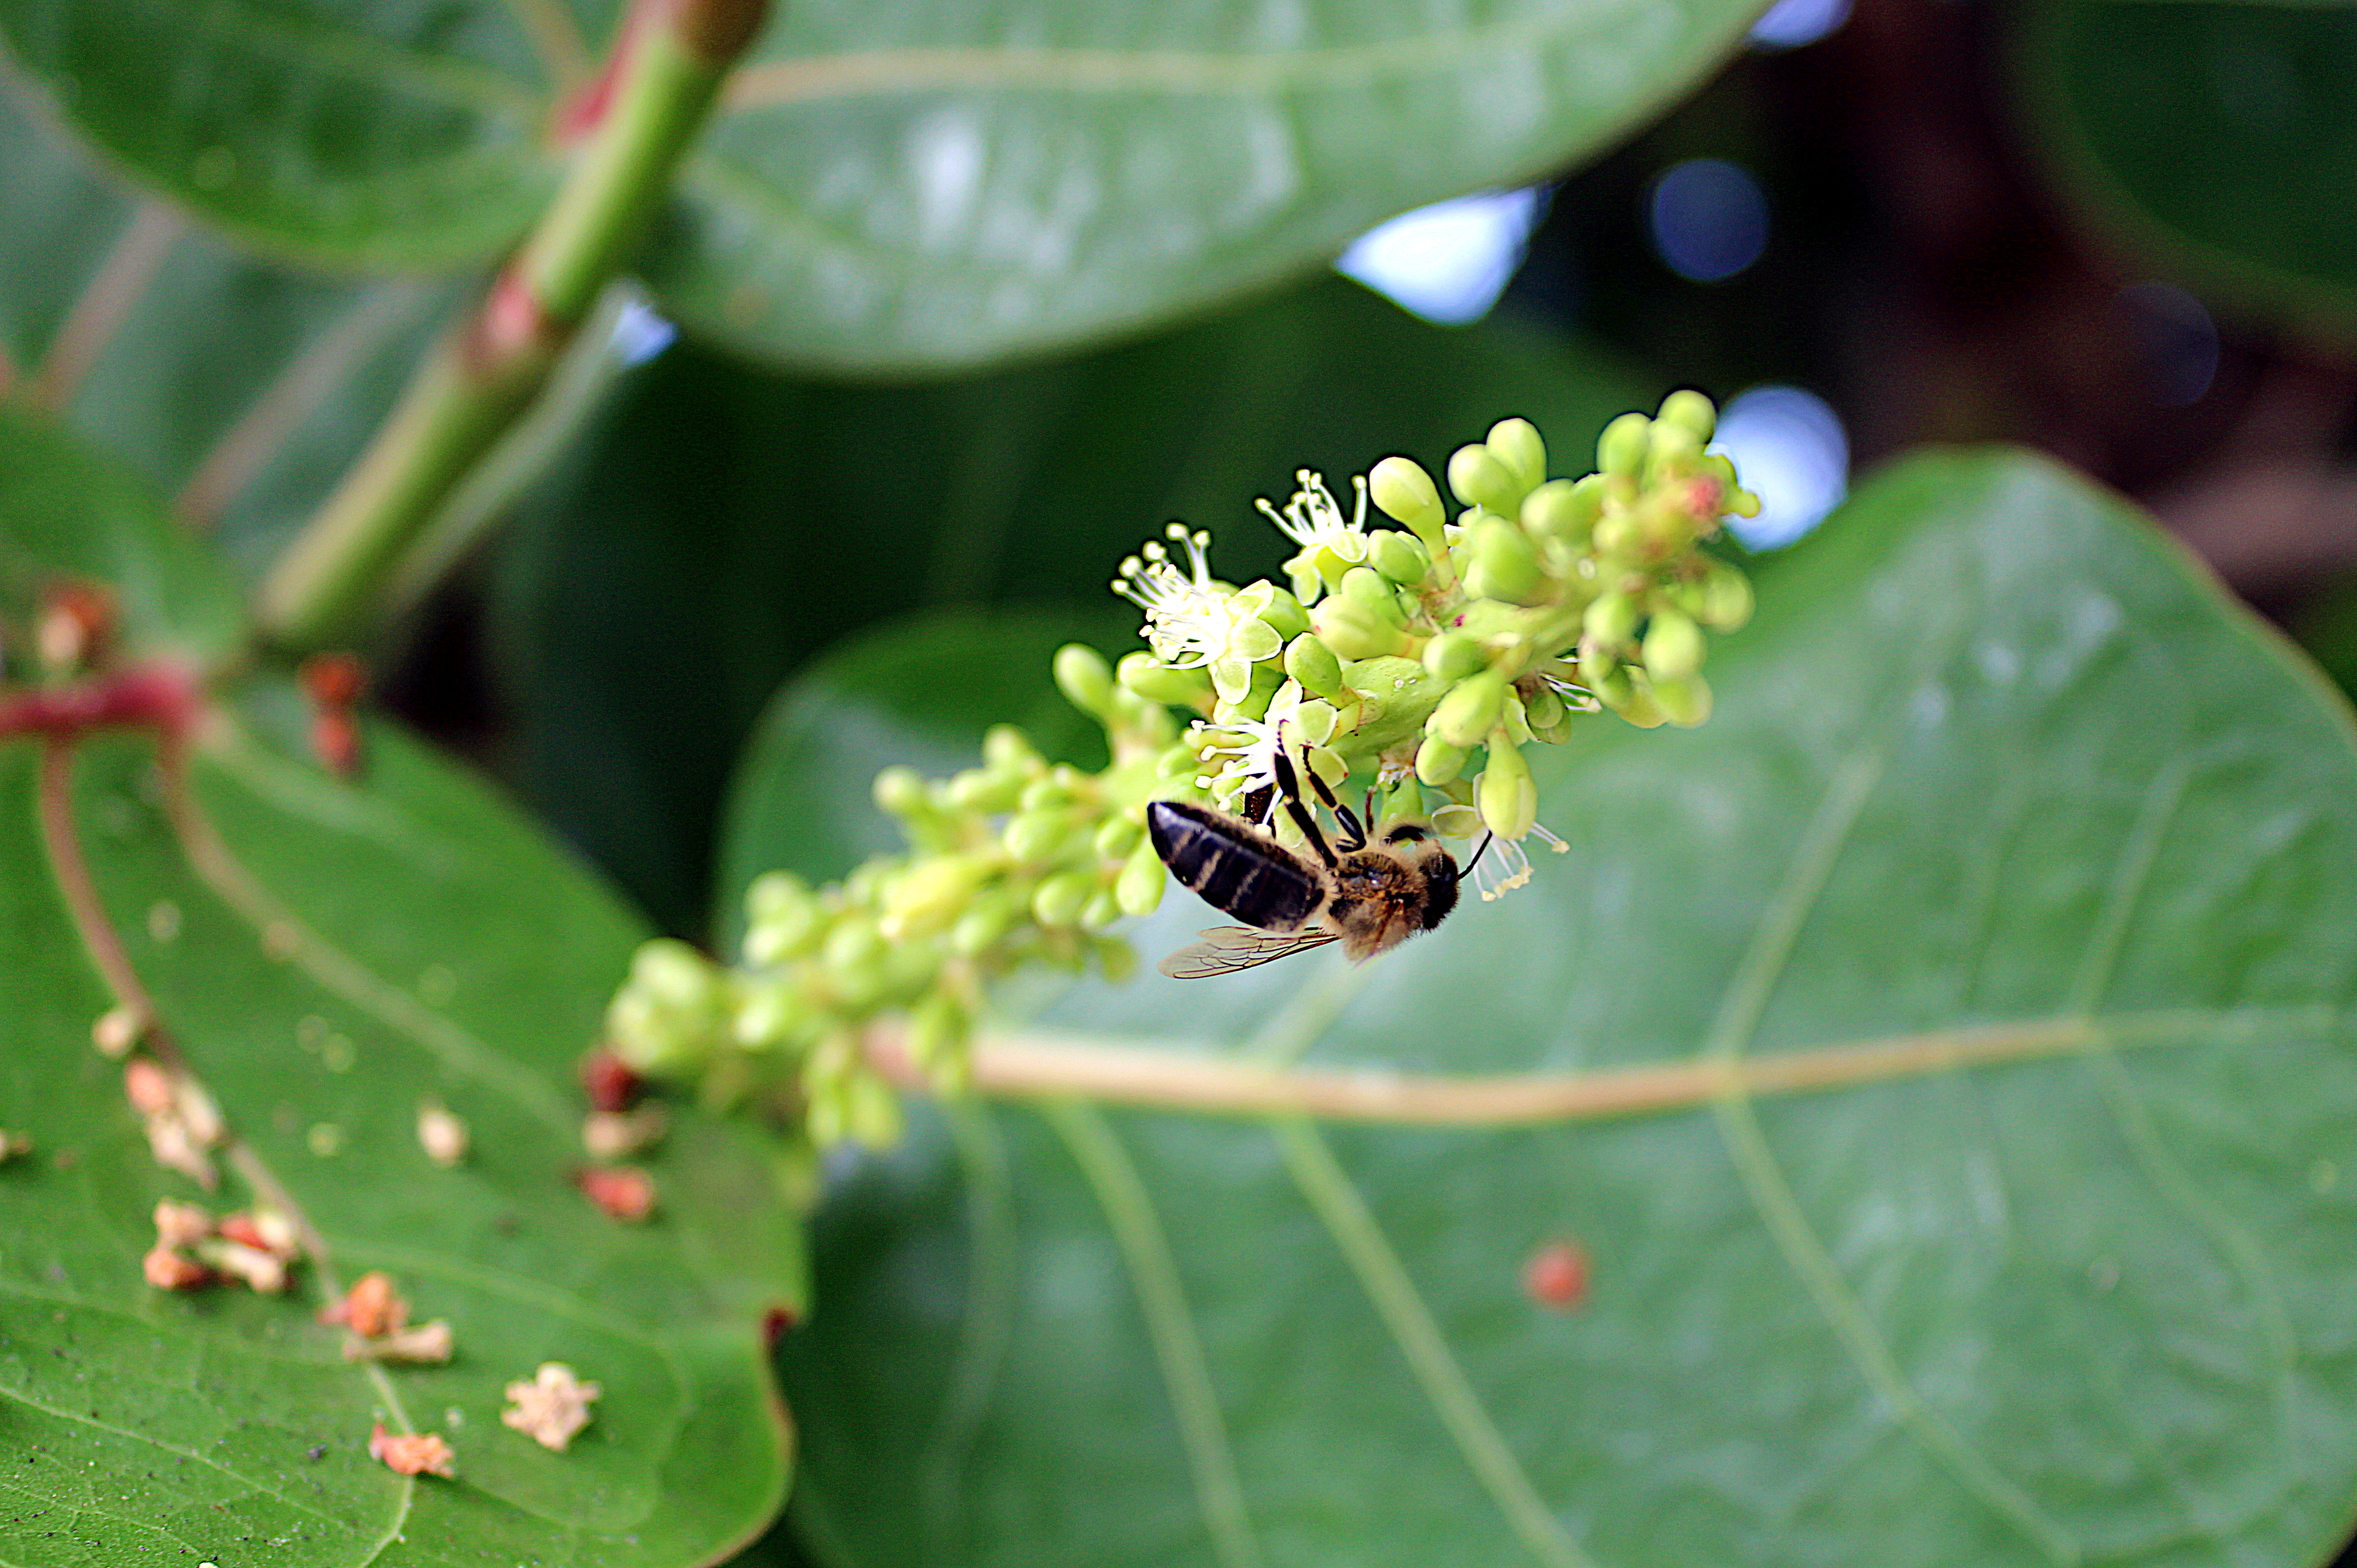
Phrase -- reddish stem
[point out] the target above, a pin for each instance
(162, 696)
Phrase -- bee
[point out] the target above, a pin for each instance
(1370, 896)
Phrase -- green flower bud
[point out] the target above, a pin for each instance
(1403, 492)
(1612, 621)
(1313, 664)
(1544, 709)
(1505, 566)
(1507, 797)
(1085, 679)
(985, 792)
(855, 945)
(1622, 447)
(1684, 702)
(1438, 762)
(1138, 889)
(1635, 703)
(1035, 838)
(901, 791)
(1725, 601)
(939, 1031)
(1044, 794)
(1395, 697)
(1366, 585)
(1671, 450)
(1517, 444)
(1101, 910)
(1006, 750)
(1060, 897)
(872, 1115)
(1616, 536)
(1283, 613)
(1743, 503)
(1353, 629)
(1471, 709)
(782, 918)
(932, 895)
(1719, 466)
(827, 1116)
(1402, 557)
(1673, 647)
(1691, 412)
(1117, 836)
(1141, 673)
(991, 915)
(1565, 509)
(772, 1012)
(1480, 479)
(1453, 655)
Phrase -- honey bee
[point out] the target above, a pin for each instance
(1371, 896)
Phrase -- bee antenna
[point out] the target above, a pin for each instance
(1487, 840)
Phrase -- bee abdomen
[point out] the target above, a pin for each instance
(1232, 869)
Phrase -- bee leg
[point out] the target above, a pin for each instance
(1354, 831)
(1257, 803)
(1288, 789)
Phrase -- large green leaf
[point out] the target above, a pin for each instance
(1942, 1059)
(2221, 138)
(384, 132)
(725, 521)
(240, 386)
(325, 955)
(884, 187)
(908, 189)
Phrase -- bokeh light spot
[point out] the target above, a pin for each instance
(1789, 24)
(1709, 219)
(1791, 450)
(1448, 263)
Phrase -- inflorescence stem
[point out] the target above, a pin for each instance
(482, 378)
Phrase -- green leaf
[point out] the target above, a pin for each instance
(385, 134)
(241, 387)
(324, 955)
(645, 611)
(902, 189)
(2220, 139)
(1941, 1061)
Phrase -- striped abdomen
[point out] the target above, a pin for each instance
(1234, 867)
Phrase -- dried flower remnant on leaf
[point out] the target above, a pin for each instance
(551, 1406)
(1419, 661)
(618, 1134)
(423, 1344)
(441, 1134)
(623, 1193)
(14, 1145)
(116, 1031)
(372, 1308)
(412, 1452)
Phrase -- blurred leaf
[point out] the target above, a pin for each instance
(724, 523)
(2221, 138)
(324, 954)
(896, 188)
(242, 387)
(382, 133)
(2035, 853)
(883, 188)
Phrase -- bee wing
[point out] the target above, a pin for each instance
(1225, 949)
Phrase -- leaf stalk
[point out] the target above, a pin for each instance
(483, 376)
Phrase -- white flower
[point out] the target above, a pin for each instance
(1500, 864)
(1249, 745)
(1192, 622)
(1314, 522)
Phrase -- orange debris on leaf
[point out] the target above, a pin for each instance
(627, 1195)
(412, 1453)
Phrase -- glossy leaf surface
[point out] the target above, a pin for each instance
(1940, 1066)
(883, 188)
(325, 955)
(2218, 139)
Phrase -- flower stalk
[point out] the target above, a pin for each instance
(482, 376)
(1421, 661)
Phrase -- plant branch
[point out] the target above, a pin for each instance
(108, 297)
(1016, 1066)
(672, 56)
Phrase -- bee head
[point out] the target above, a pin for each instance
(1419, 847)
